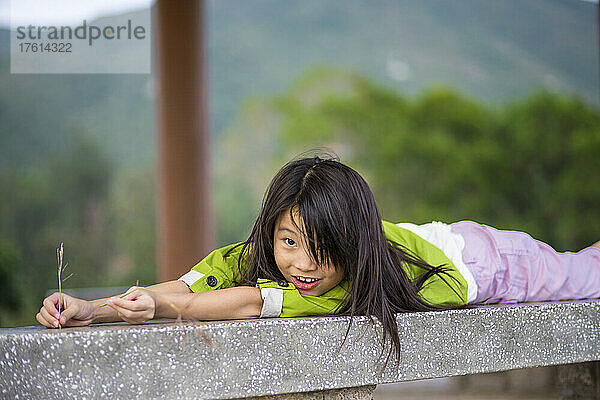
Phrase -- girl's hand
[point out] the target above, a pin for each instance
(136, 307)
(73, 311)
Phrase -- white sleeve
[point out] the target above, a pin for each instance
(272, 302)
(191, 277)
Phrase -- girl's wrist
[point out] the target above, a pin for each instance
(101, 314)
(163, 306)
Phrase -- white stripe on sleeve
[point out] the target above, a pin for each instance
(272, 302)
(191, 277)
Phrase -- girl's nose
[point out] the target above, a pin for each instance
(306, 263)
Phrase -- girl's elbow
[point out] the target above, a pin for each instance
(250, 311)
(252, 307)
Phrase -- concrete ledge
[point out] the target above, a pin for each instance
(276, 356)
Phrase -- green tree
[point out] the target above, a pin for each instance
(10, 296)
(60, 199)
(531, 165)
(133, 226)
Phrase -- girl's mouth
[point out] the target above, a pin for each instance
(305, 283)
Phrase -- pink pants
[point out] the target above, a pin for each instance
(511, 266)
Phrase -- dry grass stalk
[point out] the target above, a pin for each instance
(124, 294)
(59, 256)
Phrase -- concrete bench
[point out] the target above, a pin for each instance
(275, 357)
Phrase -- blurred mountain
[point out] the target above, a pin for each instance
(494, 51)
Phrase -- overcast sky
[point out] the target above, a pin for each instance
(56, 12)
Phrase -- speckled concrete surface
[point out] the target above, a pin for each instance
(273, 356)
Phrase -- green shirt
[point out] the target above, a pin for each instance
(218, 271)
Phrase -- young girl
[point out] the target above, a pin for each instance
(320, 247)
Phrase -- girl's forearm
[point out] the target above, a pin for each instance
(103, 314)
(170, 287)
(232, 303)
(108, 314)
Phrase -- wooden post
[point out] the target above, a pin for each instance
(184, 208)
(579, 381)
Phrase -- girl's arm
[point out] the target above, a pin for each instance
(232, 303)
(110, 314)
(77, 312)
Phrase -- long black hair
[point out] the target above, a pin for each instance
(342, 226)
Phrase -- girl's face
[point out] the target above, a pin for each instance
(295, 263)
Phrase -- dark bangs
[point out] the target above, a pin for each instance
(297, 186)
(338, 217)
(327, 205)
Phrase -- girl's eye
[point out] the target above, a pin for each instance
(289, 242)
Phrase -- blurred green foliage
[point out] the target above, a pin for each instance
(104, 218)
(530, 165)
(61, 199)
(10, 296)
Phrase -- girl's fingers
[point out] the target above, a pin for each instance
(121, 311)
(136, 316)
(49, 319)
(129, 316)
(69, 313)
(51, 322)
(76, 322)
(51, 303)
(131, 289)
(73, 312)
(43, 321)
(134, 301)
(65, 317)
(128, 293)
(128, 320)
